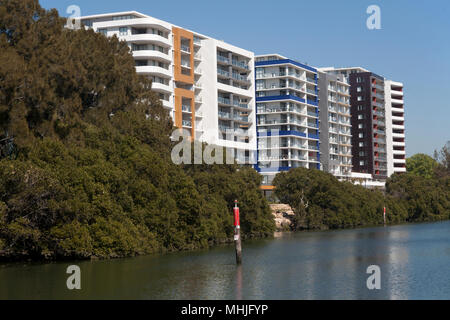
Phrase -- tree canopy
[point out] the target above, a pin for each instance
(320, 201)
(421, 165)
(85, 168)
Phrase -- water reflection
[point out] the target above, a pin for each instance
(414, 262)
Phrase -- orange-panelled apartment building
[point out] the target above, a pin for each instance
(206, 84)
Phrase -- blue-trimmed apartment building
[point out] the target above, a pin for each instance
(287, 115)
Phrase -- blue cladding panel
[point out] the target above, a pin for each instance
(284, 61)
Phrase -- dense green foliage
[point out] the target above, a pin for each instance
(421, 165)
(88, 171)
(320, 201)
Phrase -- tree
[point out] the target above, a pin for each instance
(91, 173)
(443, 159)
(421, 165)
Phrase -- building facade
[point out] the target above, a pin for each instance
(369, 141)
(206, 84)
(335, 124)
(287, 115)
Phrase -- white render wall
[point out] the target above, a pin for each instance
(206, 85)
(391, 109)
(388, 117)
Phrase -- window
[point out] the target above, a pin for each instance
(360, 98)
(103, 31)
(87, 23)
(123, 17)
(123, 31)
(260, 84)
(358, 89)
(362, 163)
(358, 80)
(361, 135)
(259, 72)
(361, 144)
(360, 116)
(360, 108)
(362, 153)
(137, 47)
(361, 126)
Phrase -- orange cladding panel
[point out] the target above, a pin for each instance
(178, 34)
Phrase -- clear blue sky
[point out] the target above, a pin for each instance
(412, 47)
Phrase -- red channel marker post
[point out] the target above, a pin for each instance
(237, 233)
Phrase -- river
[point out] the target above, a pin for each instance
(414, 261)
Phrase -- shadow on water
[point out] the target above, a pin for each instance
(413, 259)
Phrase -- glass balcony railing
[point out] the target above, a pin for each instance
(240, 64)
(225, 115)
(223, 73)
(186, 123)
(240, 105)
(223, 59)
(185, 63)
(225, 128)
(186, 108)
(197, 40)
(224, 100)
(185, 48)
(237, 76)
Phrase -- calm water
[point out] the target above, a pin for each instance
(414, 262)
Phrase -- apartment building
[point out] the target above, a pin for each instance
(378, 123)
(287, 115)
(395, 127)
(369, 143)
(335, 124)
(206, 84)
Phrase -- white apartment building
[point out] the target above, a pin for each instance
(335, 124)
(206, 84)
(287, 115)
(395, 127)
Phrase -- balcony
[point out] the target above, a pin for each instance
(197, 56)
(224, 101)
(147, 39)
(223, 59)
(223, 73)
(187, 123)
(197, 40)
(161, 87)
(185, 49)
(240, 105)
(186, 108)
(240, 64)
(379, 113)
(224, 115)
(238, 77)
(272, 110)
(186, 64)
(152, 54)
